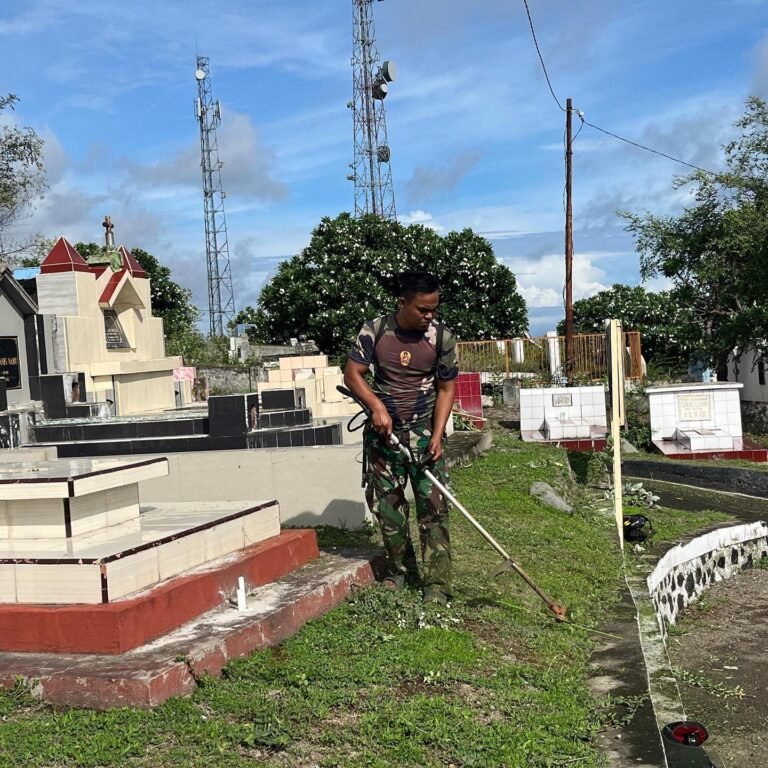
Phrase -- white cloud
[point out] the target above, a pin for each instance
(248, 165)
(541, 281)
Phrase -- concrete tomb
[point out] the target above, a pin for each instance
(696, 417)
(562, 413)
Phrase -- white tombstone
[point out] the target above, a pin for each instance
(697, 416)
(562, 413)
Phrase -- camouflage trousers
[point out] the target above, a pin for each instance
(386, 477)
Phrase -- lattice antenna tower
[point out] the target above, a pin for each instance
(221, 297)
(371, 170)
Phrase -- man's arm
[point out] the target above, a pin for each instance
(354, 379)
(443, 408)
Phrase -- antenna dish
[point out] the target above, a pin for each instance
(200, 74)
(389, 71)
(379, 90)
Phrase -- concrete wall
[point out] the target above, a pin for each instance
(688, 569)
(314, 486)
(12, 324)
(226, 380)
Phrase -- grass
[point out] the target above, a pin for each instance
(379, 681)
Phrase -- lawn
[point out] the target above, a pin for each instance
(491, 681)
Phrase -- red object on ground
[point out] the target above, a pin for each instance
(117, 627)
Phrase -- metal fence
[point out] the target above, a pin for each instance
(544, 358)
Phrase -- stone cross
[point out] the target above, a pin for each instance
(109, 228)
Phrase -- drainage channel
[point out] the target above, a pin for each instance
(636, 661)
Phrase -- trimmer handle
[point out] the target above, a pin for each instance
(392, 438)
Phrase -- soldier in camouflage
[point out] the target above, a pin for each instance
(414, 369)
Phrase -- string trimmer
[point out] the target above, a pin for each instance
(509, 564)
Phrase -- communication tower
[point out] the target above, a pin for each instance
(371, 171)
(221, 297)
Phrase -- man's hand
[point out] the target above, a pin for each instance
(381, 421)
(435, 448)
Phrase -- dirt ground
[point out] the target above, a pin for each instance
(721, 648)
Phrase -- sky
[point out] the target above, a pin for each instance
(476, 137)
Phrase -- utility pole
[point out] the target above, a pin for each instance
(569, 356)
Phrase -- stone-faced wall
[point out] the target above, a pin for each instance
(688, 569)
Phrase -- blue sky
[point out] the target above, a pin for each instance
(476, 137)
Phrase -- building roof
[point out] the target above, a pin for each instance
(131, 263)
(15, 293)
(63, 258)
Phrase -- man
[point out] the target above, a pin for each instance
(414, 365)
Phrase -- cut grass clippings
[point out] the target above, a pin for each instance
(382, 682)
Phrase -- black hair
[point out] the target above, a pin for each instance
(412, 283)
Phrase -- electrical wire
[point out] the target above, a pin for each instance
(597, 127)
(541, 58)
(647, 149)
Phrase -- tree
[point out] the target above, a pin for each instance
(663, 322)
(22, 178)
(716, 251)
(348, 273)
(170, 301)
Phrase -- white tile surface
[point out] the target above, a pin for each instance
(88, 513)
(181, 555)
(40, 519)
(132, 573)
(261, 525)
(7, 584)
(58, 583)
(223, 539)
(122, 504)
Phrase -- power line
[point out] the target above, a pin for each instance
(541, 58)
(647, 149)
(597, 127)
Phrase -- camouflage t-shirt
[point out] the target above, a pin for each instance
(405, 367)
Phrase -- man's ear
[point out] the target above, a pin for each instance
(401, 302)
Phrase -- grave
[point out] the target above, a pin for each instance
(574, 417)
(74, 535)
(699, 420)
(103, 333)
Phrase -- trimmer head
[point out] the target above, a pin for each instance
(559, 611)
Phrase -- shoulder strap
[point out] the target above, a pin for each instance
(439, 340)
(379, 329)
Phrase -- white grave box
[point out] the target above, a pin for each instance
(562, 413)
(699, 416)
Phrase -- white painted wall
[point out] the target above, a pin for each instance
(314, 486)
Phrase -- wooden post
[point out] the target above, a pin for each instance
(615, 345)
(568, 243)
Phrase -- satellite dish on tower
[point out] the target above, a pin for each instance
(200, 74)
(389, 71)
(379, 90)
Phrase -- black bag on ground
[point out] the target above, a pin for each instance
(637, 528)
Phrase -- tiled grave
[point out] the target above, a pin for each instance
(563, 414)
(696, 419)
(57, 499)
(104, 565)
(73, 532)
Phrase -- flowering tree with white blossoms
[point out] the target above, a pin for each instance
(349, 273)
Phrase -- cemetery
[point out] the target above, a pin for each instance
(373, 479)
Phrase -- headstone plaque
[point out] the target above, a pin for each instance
(116, 338)
(562, 400)
(694, 406)
(10, 369)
